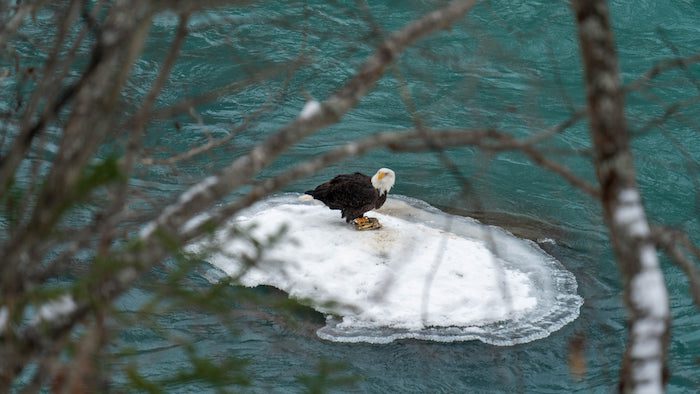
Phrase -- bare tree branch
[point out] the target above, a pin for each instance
(15, 21)
(192, 102)
(660, 68)
(217, 142)
(134, 143)
(155, 239)
(316, 117)
(671, 241)
(87, 126)
(110, 256)
(29, 127)
(495, 141)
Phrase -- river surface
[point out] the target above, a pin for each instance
(509, 65)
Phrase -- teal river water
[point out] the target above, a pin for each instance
(509, 65)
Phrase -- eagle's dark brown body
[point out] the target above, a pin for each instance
(352, 194)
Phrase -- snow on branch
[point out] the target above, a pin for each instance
(55, 310)
(630, 214)
(311, 109)
(644, 362)
(647, 295)
(405, 140)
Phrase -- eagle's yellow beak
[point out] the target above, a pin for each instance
(381, 175)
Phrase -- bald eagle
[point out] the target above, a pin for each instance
(355, 194)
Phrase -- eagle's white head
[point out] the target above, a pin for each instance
(384, 180)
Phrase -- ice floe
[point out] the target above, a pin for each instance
(426, 274)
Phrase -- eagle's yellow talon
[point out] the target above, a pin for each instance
(365, 223)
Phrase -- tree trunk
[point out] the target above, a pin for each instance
(644, 363)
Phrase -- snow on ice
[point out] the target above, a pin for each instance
(425, 274)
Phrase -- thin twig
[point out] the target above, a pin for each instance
(671, 240)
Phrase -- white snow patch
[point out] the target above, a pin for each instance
(648, 375)
(185, 197)
(646, 349)
(649, 293)
(147, 230)
(198, 188)
(647, 257)
(648, 327)
(352, 148)
(194, 222)
(630, 213)
(628, 196)
(55, 309)
(311, 108)
(376, 280)
(646, 332)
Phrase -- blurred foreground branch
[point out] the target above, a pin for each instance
(93, 114)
